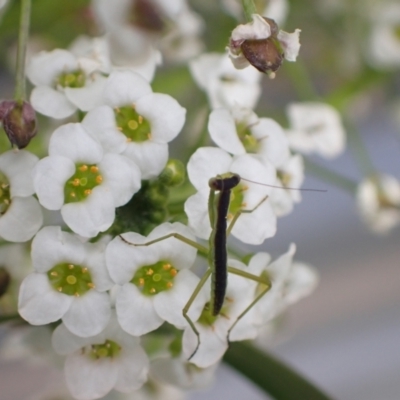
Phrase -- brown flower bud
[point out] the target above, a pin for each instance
(264, 54)
(19, 122)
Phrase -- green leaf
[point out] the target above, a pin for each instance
(270, 374)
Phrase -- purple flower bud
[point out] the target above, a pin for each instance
(19, 122)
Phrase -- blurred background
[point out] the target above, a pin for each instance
(345, 337)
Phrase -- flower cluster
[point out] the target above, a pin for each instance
(114, 267)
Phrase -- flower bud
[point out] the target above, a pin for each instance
(173, 174)
(19, 122)
(261, 44)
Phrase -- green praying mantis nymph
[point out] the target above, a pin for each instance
(221, 187)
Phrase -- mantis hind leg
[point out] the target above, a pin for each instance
(259, 279)
(185, 310)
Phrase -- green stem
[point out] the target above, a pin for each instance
(359, 151)
(329, 176)
(20, 91)
(249, 9)
(270, 374)
(11, 317)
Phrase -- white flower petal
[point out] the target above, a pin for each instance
(45, 67)
(39, 303)
(49, 177)
(52, 246)
(65, 342)
(165, 114)
(52, 103)
(135, 311)
(121, 175)
(88, 97)
(290, 43)
(22, 219)
(222, 128)
(72, 141)
(169, 304)
(17, 166)
(89, 314)
(133, 368)
(206, 163)
(89, 379)
(197, 211)
(149, 156)
(259, 28)
(100, 124)
(95, 214)
(124, 88)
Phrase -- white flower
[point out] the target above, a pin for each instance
(83, 181)
(156, 283)
(252, 228)
(224, 85)
(290, 176)
(20, 213)
(183, 41)
(290, 281)
(384, 40)
(64, 83)
(316, 128)
(136, 122)
(70, 282)
(214, 330)
(378, 201)
(179, 372)
(97, 364)
(240, 131)
(260, 43)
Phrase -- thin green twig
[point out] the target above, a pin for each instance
(249, 9)
(20, 90)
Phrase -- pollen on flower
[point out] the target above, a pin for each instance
(81, 184)
(70, 279)
(152, 279)
(140, 119)
(133, 125)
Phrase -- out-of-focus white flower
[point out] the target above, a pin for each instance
(214, 330)
(64, 83)
(136, 122)
(70, 282)
(290, 176)
(274, 9)
(290, 281)
(261, 44)
(156, 281)
(225, 85)
(384, 40)
(183, 41)
(20, 213)
(316, 128)
(97, 364)
(83, 181)
(3, 3)
(378, 201)
(209, 162)
(240, 131)
(179, 372)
